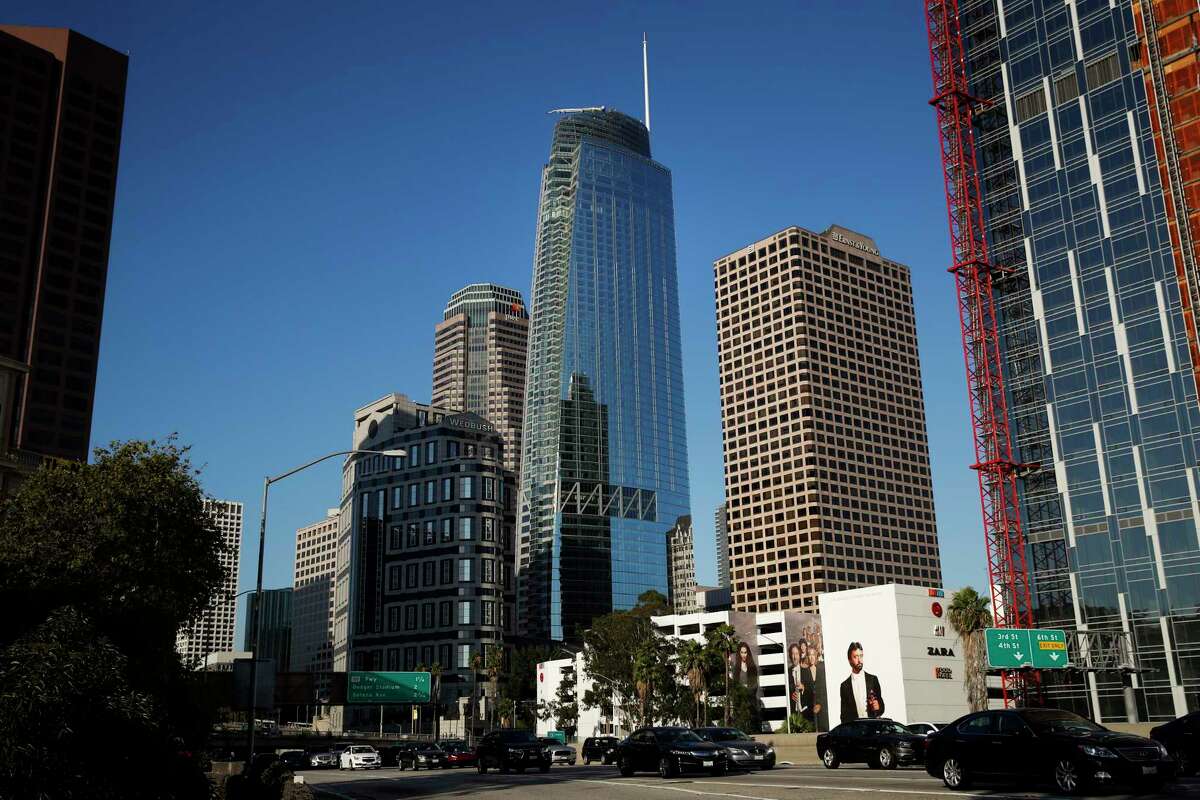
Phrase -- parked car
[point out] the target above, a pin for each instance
(322, 759)
(295, 759)
(413, 754)
(508, 749)
(670, 751)
(360, 756)
(879, 743)
(458, 755)
(1181, 737)
(1044, 744)
(744, 752)
(924, 728)
(559, 753)
(600, 748)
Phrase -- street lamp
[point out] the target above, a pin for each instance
(262, 540)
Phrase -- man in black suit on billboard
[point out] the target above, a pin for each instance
(861, 697)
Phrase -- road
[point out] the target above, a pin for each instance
(603, 783)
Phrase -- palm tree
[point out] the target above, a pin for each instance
(494, 663)
(723, 642)
(644, 663)
(476, 666)
(968, 615)
(435, 696)
(693, 660)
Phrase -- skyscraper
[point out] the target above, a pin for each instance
(721, 537)
(312, 595)
(826, 457)
(681, 561)
(479, 360)
(604, 465)
(275, 637)
(62, 99)
(1094, 323)
(212, 632)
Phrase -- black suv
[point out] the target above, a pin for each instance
(743, 751)
(880, 743)
(1181, 737)
(670, 751)
(505, 750)
(1044, 744)
(599, 748)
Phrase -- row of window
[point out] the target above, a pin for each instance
(422, 616)
(422, 454)
(428, 493)
(428, 532)
(431, 573)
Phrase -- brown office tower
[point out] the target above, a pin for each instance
(479, 360)
(62, 97)
(826, 458)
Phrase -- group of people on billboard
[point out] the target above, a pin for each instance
(806, 677)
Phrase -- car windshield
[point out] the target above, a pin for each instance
(725, 734)
(678, 735)
(516, 737)
(891, 727)
(1060, 722)
(362, 749)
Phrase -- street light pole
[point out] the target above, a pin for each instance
(262, 543)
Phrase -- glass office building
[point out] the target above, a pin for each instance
(1097, 359)
(604, 463)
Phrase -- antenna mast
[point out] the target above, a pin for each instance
(646, 80)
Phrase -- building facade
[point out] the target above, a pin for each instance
(212, 632)
(1094, 325)
(425, 549)
(604, 465)
(60, 135)
(681, 561)
(479, 360)
(275, 636)
(827, 479)
(721, 540)
(312, 595)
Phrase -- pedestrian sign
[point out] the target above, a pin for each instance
(1013, 648)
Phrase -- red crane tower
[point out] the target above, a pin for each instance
(973, 280)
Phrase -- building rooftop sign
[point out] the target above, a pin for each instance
(852, 239)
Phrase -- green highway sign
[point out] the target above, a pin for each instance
(387, 687)
(1013, 648)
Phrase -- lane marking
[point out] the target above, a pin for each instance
(821, 787)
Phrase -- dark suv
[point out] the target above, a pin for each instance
(517, 750)
(1181, 737)
(599, 748)
(1032, 744)
(743, 751)
(670, 751)
(880, 743)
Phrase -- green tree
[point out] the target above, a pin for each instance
(968, 615)
(473, 706)
(693, 660)
(520, 680)
(506, 708)
(564, 708)
(652, 603)
(105, 563)
(723, 642)
(435, 697)
(494, 664)
(743, 708)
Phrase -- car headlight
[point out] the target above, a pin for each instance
(1097, 752)
(770, 750)
(736, 751)
(513, 752)
(1162, 749)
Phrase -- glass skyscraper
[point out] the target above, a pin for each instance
(1092, 329)
(604, 465)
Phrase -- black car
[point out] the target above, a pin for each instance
(1181, 737)
(599, 748)
(505, 750)
(879, 743)
(743, 751)
(1043, 744)
(415, 755)
(295, 759)
(670, 751)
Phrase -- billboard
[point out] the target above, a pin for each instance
(805, 669)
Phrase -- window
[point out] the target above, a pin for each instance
(431, 453)
(430, 491)
(446, 571)
(464, 570)
(397, 496)
(451, 449)
(410, 618)
(411, 535)
(1030, 105)
(445, 614)
(489, 529)
(447, 489)
(414, 455)
(448, 530)
(394, 618)
(422, 417)
(395, 538)
(466, 487)
(444, 656)
(489, 612)
(464, 656)
(410, 658)
(411, 575)
(429, 573)
(464, 612)
(394, 578)
(466, 527)
(427, 615)
(1103, 71)
(978, 725)
(469, 450)
(429, 536)
(488, 567)
(414, 494)
(489, 488)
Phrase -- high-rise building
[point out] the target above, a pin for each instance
(827, 480)
(681, 563)
(275, 636)
(212, 632)
(604, 466)
(721, 537)
(479, 360)
(312, 595)
(425, 553)
(62, 100)
(1082, 119)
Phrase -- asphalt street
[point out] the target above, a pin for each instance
(597, 782)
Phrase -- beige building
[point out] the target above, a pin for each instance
(213, 631)
(681, 566)
(479, 360)
(826, 458)
(312, 595)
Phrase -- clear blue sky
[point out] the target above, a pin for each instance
(303, 185)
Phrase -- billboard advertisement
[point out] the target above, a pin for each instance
(805, 669)
(862, 666)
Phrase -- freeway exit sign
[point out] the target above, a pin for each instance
(1012, 648)
(387, 687)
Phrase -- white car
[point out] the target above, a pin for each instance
(360, 756)
(559, 753)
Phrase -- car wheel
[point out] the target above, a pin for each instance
(481, 767)
(544, 768)
(829, 758)
(504, 767)
(886, 759)
(1183, 765)
(719, 770)
(1068, 778)
(625, 766)
(953, 774)
(666, 769)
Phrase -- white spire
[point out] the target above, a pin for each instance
(646, 80)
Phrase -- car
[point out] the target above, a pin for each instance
(559, 753)
(294, 759)
(924, 728)
(599, 748)
(511, 750)
(670, 751)
(458, 755)
(428, 756)
(360, 756)
(879, 743)
(1031, 744)
(322, 759)
(744, 752)
(1181, 737)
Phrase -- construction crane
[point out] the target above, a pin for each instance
(974, 275)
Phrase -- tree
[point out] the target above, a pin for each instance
(564, 708)
(652, 603)
(435, 697)
(473, 706)
(968, 615)
(506, 708)
(493, 663)
(105, 562)
(723, 642)
(520, 680)
(693, 660)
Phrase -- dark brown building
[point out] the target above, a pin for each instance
(62, 99)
